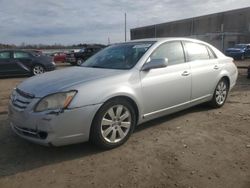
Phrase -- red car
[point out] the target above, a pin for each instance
(59, 57)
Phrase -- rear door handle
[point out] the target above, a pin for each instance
(216, 67)
(185, 73)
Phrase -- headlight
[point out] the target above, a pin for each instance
(55, 101)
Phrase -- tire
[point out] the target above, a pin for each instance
(242, 57)
(220, 94)
(38, 69)
(79, 62)
(113, 124)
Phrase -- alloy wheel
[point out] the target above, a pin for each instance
(221, 93)
(116, 123)
(38, 69)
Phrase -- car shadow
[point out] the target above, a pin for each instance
(14, 76)
(163, 119)
(18, 155)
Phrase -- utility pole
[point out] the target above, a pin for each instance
(125, 27)
(222, 37)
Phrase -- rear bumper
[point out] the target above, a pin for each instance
(68, 127)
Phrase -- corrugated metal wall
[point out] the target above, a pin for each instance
(221, 29)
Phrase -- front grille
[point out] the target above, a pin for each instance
(21, 99)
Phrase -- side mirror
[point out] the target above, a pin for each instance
(155, 64)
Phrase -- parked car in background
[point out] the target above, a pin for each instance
(119, 87)
(19, 62)
(239, 51)
(59, 57)
(37, 52)
(77, 58)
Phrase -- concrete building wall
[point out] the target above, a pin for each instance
(223, 29)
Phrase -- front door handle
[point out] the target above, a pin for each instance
(185, 73)
(216, 67)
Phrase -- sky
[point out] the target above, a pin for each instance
(80, 21)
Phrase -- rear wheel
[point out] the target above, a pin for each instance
(220, 94)
(113, 124)
(38, 69)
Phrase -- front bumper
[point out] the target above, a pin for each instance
(50, 67)
(71, 59)
(63, 128)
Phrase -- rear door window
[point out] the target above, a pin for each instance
(196, 51)
(18, 55)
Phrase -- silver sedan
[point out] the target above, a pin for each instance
(118, 88)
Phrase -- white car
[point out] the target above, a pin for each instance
(118, 88)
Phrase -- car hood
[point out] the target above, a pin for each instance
(61, 80)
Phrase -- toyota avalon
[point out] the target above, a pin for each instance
(118, 88)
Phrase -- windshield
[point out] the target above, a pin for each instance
(240, 46)
(119, 56)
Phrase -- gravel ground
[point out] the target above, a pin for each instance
(198, 147)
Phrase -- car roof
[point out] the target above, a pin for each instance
(14, 50)
(242, 44)
(165, 39)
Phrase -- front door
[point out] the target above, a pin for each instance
(248, 51)
(166, 88)
(6, 67)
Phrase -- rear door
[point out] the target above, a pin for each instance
(205, 69)
(5, 63)
(23, 61)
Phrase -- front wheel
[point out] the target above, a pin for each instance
(220, 94)
(113, 124)
(79, 62)
(242, 57)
